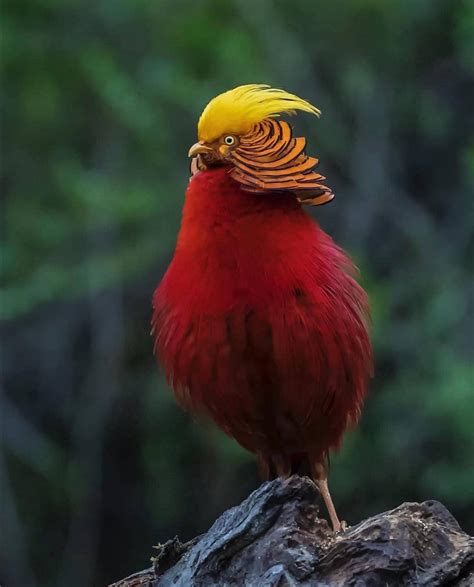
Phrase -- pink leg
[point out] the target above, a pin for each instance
(263, 464)
(319, 474)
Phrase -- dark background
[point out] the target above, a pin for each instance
(100, 102)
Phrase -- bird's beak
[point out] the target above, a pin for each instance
(200, 149)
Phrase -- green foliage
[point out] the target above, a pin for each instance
(99, 106)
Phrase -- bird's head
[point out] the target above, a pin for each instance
(239, 129)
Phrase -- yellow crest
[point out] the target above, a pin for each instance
(239, 110)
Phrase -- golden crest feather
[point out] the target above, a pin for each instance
(238, 110)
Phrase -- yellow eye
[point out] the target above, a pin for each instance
(229, 140)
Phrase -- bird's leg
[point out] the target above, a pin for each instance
(319, 472)
(263, 464)
(269, 465)
(337, 526)
(282, 465)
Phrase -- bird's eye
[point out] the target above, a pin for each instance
(229, 140)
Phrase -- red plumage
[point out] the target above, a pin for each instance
(260, 323)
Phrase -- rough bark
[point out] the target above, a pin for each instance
(274, 538)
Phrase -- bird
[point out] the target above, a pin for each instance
(259, 321)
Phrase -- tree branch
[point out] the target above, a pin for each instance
(274, 538)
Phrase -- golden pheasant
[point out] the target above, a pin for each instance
(259, 321)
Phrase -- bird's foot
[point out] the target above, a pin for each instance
(340, 526)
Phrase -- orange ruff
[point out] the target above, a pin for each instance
(269, 158)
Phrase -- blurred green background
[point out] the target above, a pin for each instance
(99, 106)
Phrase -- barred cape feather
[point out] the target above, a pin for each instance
(270, 158)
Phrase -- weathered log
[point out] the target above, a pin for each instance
(274, 538)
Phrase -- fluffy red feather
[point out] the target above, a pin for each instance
(259, 321)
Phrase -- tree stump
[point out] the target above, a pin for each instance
(274, 538)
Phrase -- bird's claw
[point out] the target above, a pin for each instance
(340, 527)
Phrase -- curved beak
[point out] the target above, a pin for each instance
(199, 149)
